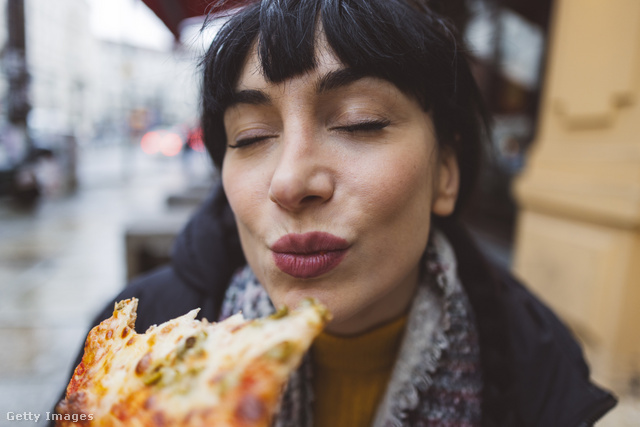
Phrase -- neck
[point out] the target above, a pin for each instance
(384, 309)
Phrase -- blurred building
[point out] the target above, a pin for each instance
(138, 87)
(82, 89)
(87, 84)
(60, 55)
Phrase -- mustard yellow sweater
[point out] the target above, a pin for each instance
(351, 374)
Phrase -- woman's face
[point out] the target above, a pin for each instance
(332, 178)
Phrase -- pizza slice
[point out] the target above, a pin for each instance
(188, 372)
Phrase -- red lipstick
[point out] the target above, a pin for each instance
(309, 255)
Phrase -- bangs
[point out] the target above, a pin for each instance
(287, 38)
(381, 38)
(401, 47)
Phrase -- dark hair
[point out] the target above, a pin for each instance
(403, 42)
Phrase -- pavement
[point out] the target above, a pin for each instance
(60, 262)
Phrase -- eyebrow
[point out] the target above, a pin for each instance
(338, 79)
(249, 96)
(330, 81)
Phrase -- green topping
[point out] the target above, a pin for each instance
(188, 345)
(167, 371)
(281, 352)
(152, 377)
(282, 312)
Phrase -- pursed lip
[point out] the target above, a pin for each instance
(309, 255)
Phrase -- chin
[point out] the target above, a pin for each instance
(293, 298)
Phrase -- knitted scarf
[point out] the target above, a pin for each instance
(437, 379)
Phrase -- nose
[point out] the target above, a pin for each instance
(303, 176)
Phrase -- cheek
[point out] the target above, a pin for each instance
(240, 190)
(243, 187)
(246, 186)
(399, 187)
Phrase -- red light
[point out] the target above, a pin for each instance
(195, 141)
(171, 144)
(150, 142)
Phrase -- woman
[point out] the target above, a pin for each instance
(348, 135)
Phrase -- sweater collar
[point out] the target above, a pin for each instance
(371, 351)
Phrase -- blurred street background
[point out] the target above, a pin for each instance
(101, 164)
(60, 263)
(100, 157)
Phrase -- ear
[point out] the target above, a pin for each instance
(447, 183)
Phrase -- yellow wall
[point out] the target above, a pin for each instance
(578, 233)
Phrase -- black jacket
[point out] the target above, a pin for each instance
(541, 379)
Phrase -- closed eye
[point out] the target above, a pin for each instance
(366, 126)
(245, 142)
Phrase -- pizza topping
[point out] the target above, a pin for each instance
(250, 409)
(282, 351)
(143, 364)
(159, 419)
(148, 403)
